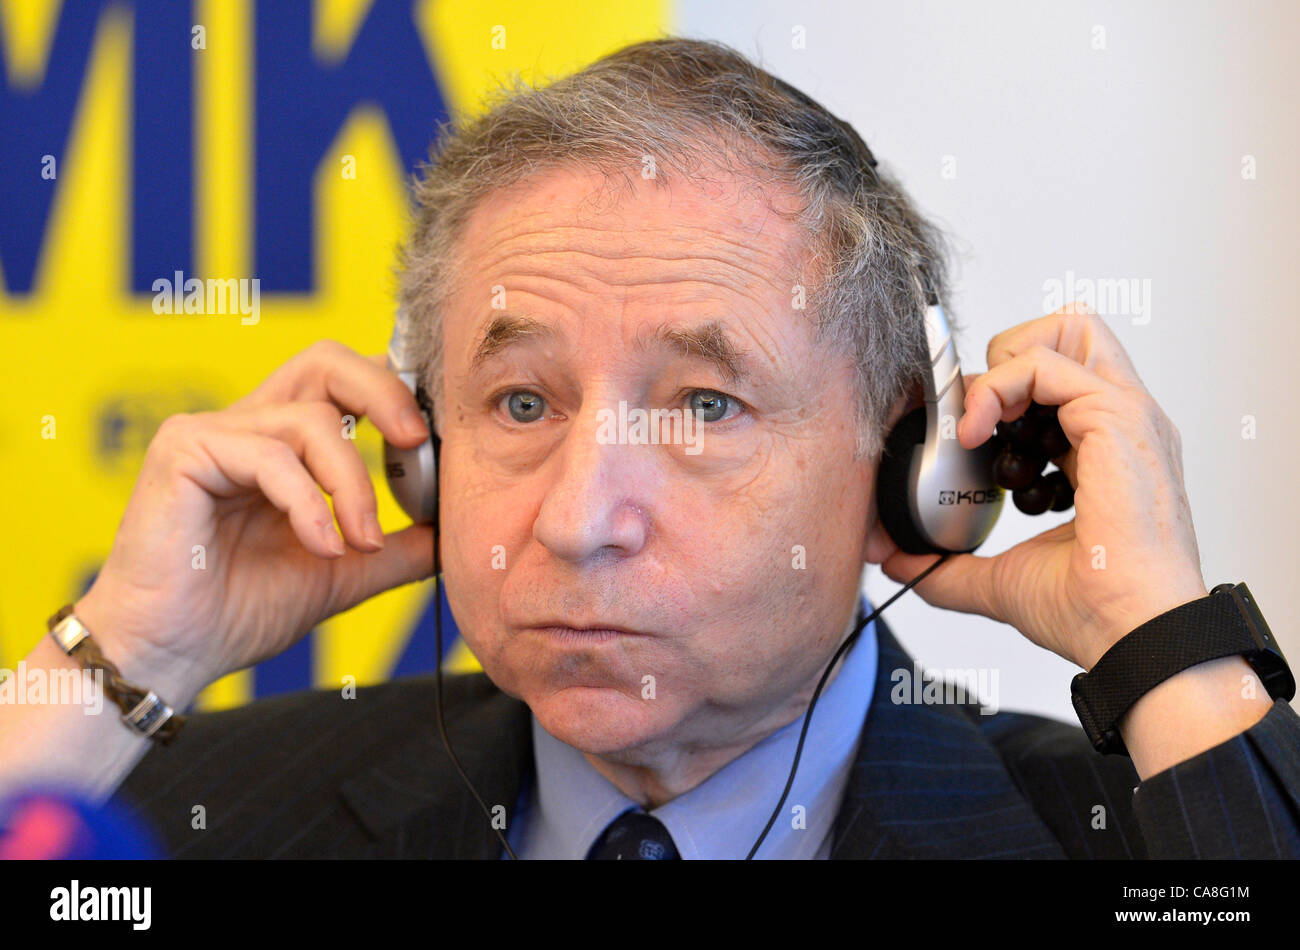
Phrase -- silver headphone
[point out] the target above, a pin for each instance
(412, 473)
(933, 495)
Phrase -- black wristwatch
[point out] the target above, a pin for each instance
(1226, 623)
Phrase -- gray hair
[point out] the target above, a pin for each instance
(695, 105)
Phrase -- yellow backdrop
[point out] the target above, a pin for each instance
(82, 347)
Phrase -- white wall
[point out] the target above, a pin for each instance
(1122, 162)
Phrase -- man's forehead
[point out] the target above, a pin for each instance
(702, 262)
(722, 216)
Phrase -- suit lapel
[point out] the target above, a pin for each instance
(412, 802)
(926, 783)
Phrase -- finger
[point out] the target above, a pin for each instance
(315, 431)
(328, 370)
(1009, 412)
(1066, 463)
(1039, 374)
(226, 463)
(407, 557)
(1075, 332)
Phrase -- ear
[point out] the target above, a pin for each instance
(878, 546)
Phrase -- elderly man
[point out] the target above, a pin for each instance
(669, 229)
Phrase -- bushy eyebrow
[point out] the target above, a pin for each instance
(505, 331)
(708, 341)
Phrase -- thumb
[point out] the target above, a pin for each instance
(964, 582)
(407, 556)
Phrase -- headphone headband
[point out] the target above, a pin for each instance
(401, 345)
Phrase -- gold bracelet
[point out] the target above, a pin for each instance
(143, 711)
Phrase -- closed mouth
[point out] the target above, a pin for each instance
(567, 634)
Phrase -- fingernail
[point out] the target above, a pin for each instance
(332, 540)
(370, 528)
(413, 422)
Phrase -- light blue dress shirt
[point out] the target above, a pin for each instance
(569, 803)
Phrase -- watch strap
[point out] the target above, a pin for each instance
(1226, 623)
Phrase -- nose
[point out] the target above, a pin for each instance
(597, 505)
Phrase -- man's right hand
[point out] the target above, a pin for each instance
(245, 484)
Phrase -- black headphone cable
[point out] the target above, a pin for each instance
(437, 688)
(807, 717)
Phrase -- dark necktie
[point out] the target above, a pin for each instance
(634, 836)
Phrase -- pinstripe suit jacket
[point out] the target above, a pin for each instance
(315, 775)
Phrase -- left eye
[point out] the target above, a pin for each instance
(709, 405)
(525, 406)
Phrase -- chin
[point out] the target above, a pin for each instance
(599, 720)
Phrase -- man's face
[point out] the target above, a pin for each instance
(736, 560)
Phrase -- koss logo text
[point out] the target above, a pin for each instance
(973, 496)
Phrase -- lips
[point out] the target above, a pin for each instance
(574, 633)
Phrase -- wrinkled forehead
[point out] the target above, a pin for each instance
(617, 213)
(717, 247)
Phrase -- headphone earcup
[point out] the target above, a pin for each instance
(413, 473)
(893, 483)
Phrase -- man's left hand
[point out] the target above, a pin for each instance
(1130, 552)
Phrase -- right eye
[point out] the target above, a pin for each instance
(525, 406)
